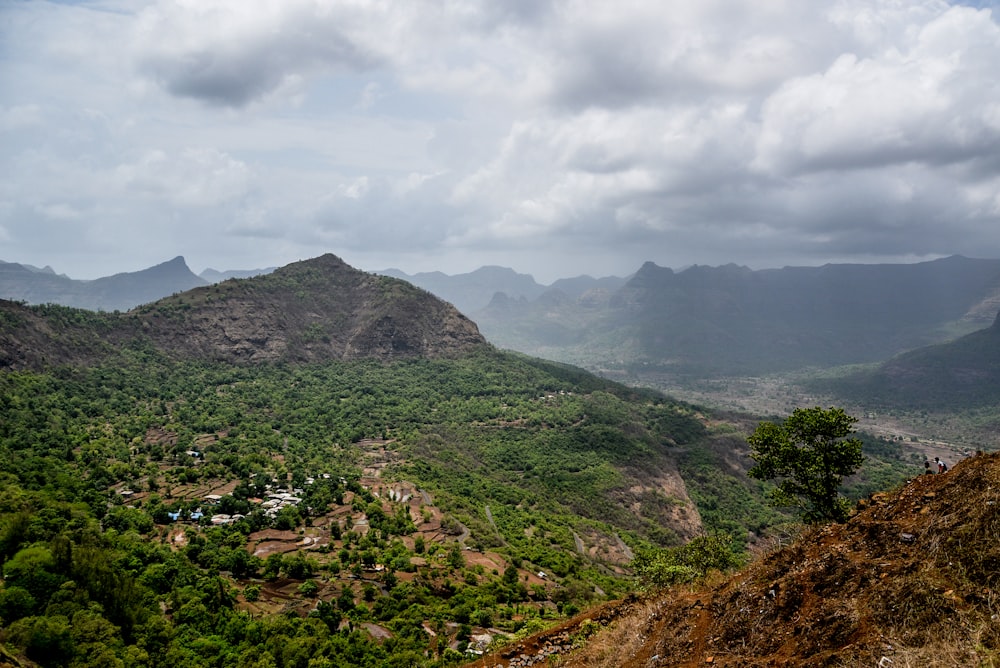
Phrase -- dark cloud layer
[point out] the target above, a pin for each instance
(223, 56)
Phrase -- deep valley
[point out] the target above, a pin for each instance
(319, 466)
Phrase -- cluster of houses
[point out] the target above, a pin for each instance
(278, 500)
(274, 501)
(273, 504)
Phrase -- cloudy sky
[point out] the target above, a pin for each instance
(556, 137)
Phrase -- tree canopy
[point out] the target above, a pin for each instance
(810, 452)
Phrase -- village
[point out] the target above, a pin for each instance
(347, 561)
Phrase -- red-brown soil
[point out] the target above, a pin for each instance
(913, 579)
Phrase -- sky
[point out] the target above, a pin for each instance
(555, 137)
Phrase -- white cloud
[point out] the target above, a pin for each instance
(928, 99)
(58, 211)
(764, 132)
(369, 95)
(19, 117)
(194, 177)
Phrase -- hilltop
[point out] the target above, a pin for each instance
(910, 580)
(310, 311)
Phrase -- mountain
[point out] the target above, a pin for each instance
(310, 311)
(41, 270)
(909, 580)
(579, 286)
(111, 293)
(731, 320)
(736, 320)
(470, 292)
(321, 462)
(964, 373)
(702, 321)
(474, 291)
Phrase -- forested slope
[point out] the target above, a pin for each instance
(517, 460)
(177, 491)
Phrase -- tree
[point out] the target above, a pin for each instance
(810, 451)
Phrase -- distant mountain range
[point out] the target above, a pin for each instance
(121, 292)
(731, 320)
(474, 291)
(702, 321)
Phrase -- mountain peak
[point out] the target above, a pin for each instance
(307, 312)
(177, 266)
(174, 267)
(325, 262)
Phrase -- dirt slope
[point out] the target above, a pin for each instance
(913, 579)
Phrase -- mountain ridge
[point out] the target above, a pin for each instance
(701, 321)
(214, 276)
(962, 373)
(305, 312)
(119, 292)
(732, 320)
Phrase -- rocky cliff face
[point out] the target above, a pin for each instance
(310, 311)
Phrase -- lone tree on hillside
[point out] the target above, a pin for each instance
(810, 451)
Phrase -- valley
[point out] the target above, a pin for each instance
(320, 466)
(959, 432)
(418, 503)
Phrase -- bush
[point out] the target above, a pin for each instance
(308, 588)
(659, 569)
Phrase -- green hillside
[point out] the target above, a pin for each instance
(319, 467)
(961, 375)
(522, 464)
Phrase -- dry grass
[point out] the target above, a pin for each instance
(948, 648)
(619, 642)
